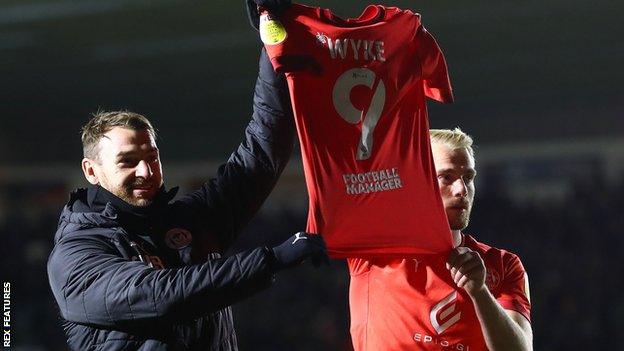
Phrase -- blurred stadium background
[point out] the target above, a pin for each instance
(538, 84)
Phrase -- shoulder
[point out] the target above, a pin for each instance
(82, 242)
(502, 265)
(80, 248)
(90, 235)
(486, 251)
(506, 277)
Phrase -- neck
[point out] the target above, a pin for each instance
(457, 238)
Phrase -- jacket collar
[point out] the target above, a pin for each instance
(96, 207)
(133, 217)
(98, 198)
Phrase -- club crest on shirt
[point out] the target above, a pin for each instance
(321, 38)
(178, 238)
(492, 279)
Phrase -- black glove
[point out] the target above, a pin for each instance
(298, 248)
(276, 7)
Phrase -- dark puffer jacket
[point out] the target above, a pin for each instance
(128, 278)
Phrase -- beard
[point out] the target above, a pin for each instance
(458, 219)
(128, 197)
(126, 192)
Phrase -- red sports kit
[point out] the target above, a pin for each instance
(358, 89)
(413, 304)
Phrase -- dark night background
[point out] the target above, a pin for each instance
(537, 83)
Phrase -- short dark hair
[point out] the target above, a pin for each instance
(103, 121)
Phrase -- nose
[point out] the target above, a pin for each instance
(143, 170)
(459, 188)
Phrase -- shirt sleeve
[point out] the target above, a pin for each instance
(291, 54)
(437, 84)
(278, 52)
(514, 292)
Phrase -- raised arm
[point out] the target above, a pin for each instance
(246, 179)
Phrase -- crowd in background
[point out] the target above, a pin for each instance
(570, 249)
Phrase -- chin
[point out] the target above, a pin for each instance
(459, 224)
(141, 202)
(137, 201)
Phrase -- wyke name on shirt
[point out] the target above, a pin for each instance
(359, 49)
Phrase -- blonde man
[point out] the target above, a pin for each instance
(477, 300)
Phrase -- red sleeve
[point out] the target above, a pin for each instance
(514, 292)
(433, 66)
(278, 51)
(289, 54)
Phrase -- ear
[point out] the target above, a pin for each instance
(89, 168)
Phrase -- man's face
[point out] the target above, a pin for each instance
(128, 165)
(455, 169)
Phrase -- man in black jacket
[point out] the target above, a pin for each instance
(131, 270)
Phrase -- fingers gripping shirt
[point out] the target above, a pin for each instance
(413, 304)
(358, 90)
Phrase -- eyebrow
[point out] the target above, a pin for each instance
(135, 152)
(451, 170)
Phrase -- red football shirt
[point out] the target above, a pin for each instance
(413, 304)
(358, 90)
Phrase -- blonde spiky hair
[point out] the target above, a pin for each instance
(455, 139)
